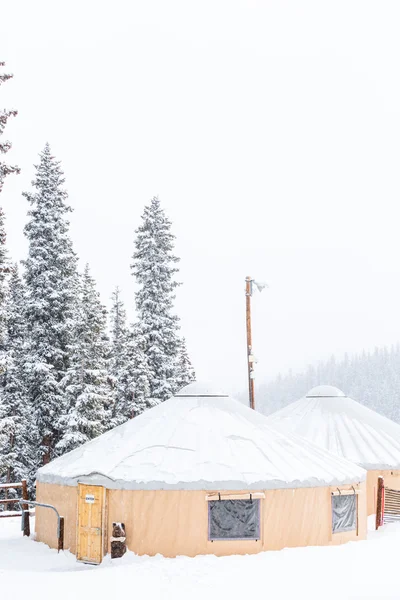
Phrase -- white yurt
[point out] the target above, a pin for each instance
(200, 474)
(328, 418)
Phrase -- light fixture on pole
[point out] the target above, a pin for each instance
(250, 283)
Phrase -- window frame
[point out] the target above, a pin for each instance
(256, 538)
(340, 495)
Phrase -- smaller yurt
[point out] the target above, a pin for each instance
(328, 418)
(200, 474)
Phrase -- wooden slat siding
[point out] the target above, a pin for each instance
(392, 505)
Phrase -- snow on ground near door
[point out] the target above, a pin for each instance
(356, 570)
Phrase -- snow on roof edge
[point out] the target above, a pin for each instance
(98, 479)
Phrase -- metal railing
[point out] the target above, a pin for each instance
(60, 519)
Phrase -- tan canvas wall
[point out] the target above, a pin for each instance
(392, 480)
(65, 499)
(176, 522)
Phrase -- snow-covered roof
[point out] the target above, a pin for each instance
(200, 439)
(327, 417)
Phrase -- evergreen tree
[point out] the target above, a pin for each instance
(121, 363)
(87, 383)
(157, 327)
(5, 146)
(50, 276)
(141, 374)
(119, 331)
(185, 371)
(20, 439)
(7, 417)
(4, 271)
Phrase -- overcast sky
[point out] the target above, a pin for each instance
(270, 132)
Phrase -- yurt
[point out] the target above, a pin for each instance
(200, 474)
(328, 418)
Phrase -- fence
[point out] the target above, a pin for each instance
(19, 501)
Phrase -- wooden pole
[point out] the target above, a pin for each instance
(249, 342)
(61, 535)
(379, 494)
(25, 507)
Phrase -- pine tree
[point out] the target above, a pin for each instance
(7, 417)
(121, 362)
(4, 271)
(87, 383)
(141, 375)
(20, 444)
(5, 169)
(50, 276)
(185, 371)
(119, 331)
(154, 269)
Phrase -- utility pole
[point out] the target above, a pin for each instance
(250, 356)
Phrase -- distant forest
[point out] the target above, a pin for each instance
(370, 378)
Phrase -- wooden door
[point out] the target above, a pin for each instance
(90, 523)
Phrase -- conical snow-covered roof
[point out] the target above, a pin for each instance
(199, 439)
(328, 418)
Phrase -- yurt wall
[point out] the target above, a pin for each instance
(64, 499)
(176, 522)
(391, 479)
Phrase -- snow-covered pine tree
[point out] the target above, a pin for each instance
(51, 281)
(121, 362)
(119, 331)
(5, 146)
(185, 370)
(17, 452)
(140, 374)
(4, 271)
(157, 327)
(7, 420)
(87, 383)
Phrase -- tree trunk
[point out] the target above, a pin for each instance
(47, 443)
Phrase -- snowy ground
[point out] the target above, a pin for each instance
(356, 570)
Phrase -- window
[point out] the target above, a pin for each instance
(234, 520)
(344, 512)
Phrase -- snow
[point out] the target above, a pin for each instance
(203, 442)
(5, 514)
(5, 486)
(343, 426)
(357, 570)
(200, 389)
(325, 391)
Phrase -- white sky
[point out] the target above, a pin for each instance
(270, 131)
